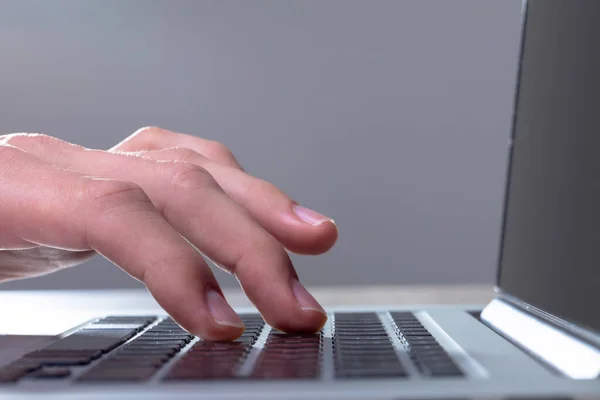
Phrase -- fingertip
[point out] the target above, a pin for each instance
(303, 314)
(310, 321)
(221, 311)
(312, 240)
(218, 333)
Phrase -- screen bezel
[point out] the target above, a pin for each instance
(524, 12)
(586, 335)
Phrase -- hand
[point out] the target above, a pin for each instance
(148, 205)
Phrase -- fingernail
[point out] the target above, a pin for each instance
(309, 216)
(222, 312)
(305, 299)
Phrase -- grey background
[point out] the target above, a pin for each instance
(390, 116)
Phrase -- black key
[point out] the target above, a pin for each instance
(289, 357)
(219, 353)
(167, 328)
(410, 334)
(371, 373)
(118, 374)
(212, 360)
(388, 357)
(166, 335)
(355, 315)
(254, 325)
(356, 327)
(213, 371)
(424, 347)
(51, 373)
(129, 356)
(251, 316)
(160, 343)
(65, 361)
(197, 358)
(198, 372)
(360, 352)
(154, 363)
(126, 319)
(362, 343)
(23, 364)
(201, 346)
(62, 357)
(93, 339)
(349, 337)
(147, 350)
(361, 333)
(198, 362)
(16, 370)
(364, 349)
(44, 354)
(11, 375)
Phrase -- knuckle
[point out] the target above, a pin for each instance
(9, 154)
(109, 196)
(189, 177)
(187, 155)
(40, 140)
(218, 149)
(268, 189)
(148, 131)
(12, 160)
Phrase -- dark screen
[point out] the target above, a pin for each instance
(550, 256)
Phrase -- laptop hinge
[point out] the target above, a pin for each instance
(566, 353)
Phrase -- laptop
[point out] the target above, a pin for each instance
(539, 338)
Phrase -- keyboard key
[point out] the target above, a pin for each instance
(373, 372)
(118, 374)
(93, 340)
(213, 360)
(429, 356)
(51, 373)
(12, 375)
(287, 356)
(363, 349)
(159, 343)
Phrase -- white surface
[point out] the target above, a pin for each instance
(22, 310)
(574, 358)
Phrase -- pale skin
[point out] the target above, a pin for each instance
(151, 205)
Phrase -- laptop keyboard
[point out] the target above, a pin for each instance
(140, 349)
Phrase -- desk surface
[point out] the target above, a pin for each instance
(391, 295)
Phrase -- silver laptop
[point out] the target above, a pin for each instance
(539, 338)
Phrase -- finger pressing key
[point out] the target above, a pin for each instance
(68, 210)
(192, 203)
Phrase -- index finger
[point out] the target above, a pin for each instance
(67, 210)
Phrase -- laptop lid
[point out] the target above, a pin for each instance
(550, 249)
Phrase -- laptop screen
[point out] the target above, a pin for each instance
(550, 255)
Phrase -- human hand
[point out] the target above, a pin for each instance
(148, 205)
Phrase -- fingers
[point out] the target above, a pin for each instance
(152, 138)
(193, 203)
(63, 209)
(299, 229)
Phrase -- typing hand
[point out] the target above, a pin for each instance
(148, 205)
